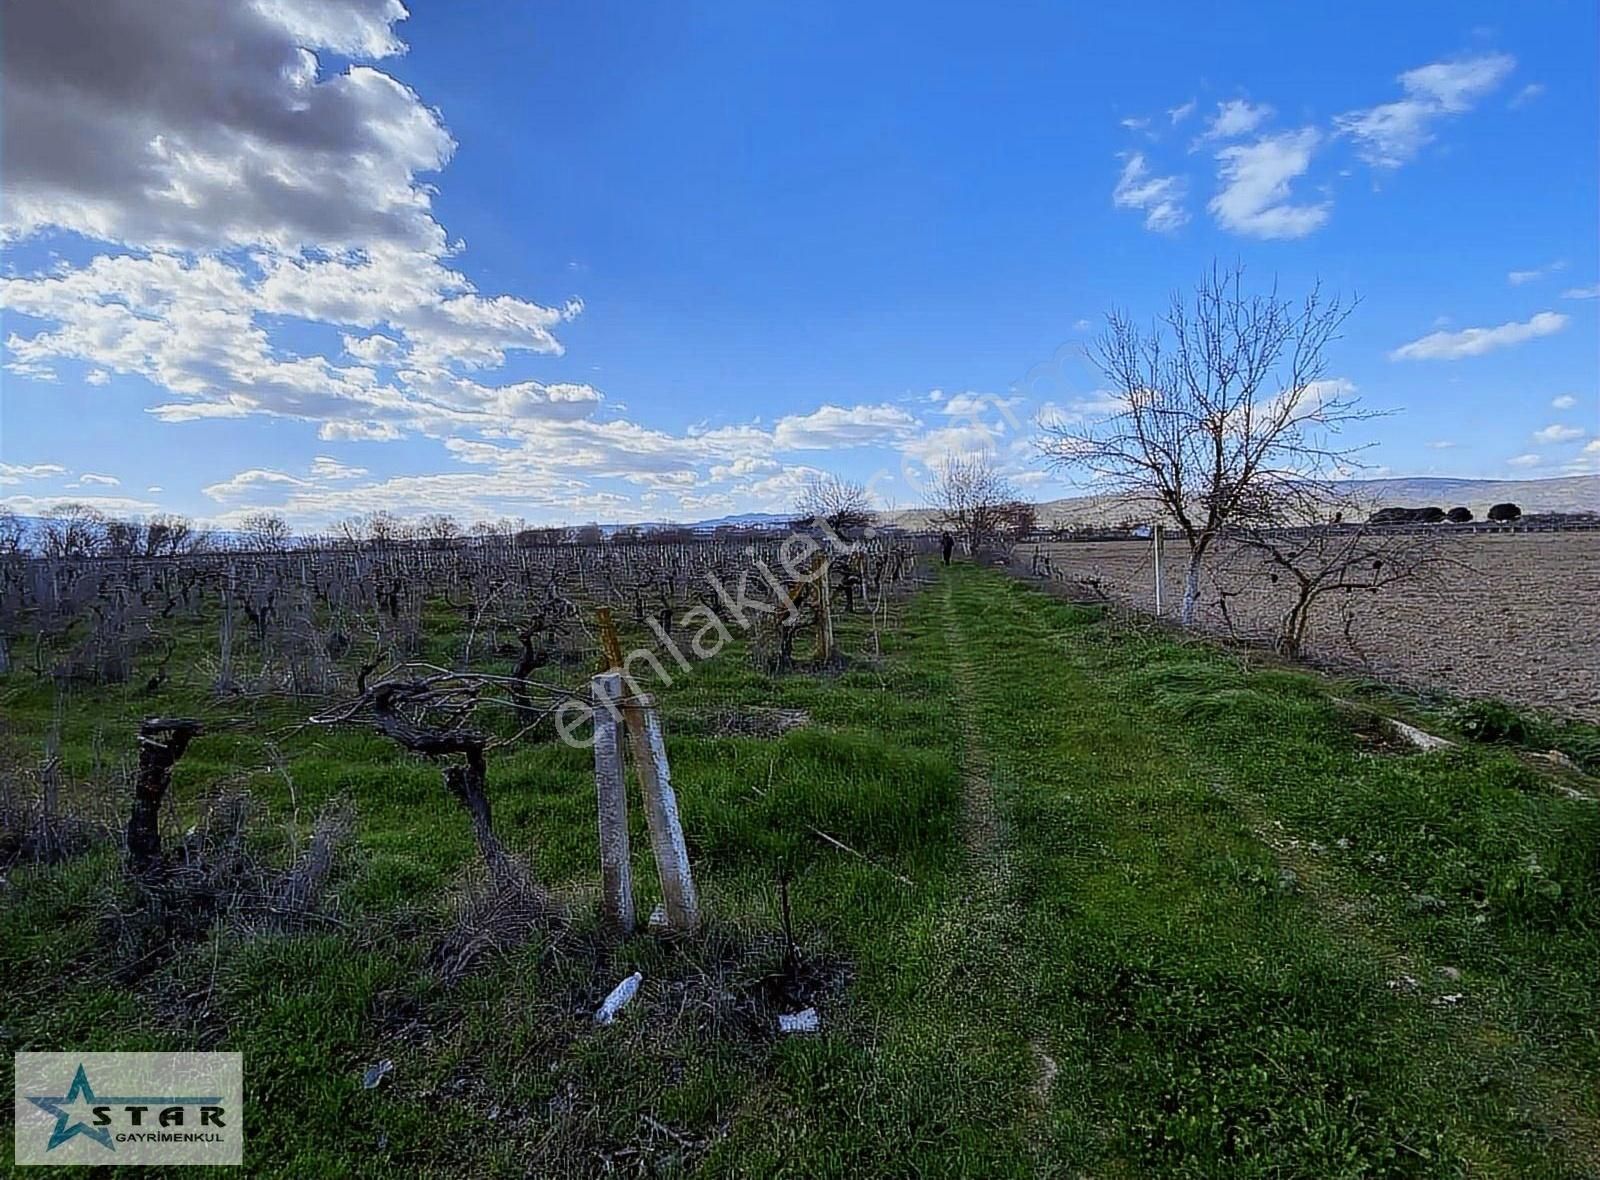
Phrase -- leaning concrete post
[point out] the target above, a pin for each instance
(616, 873)
(661, 812)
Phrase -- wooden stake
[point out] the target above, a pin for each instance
(616, 871)
(610, 641)
(825, 610)
(661, 813)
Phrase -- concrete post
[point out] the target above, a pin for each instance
(616, 871)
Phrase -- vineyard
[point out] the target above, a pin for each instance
(983, 882)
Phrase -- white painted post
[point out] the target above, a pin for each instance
(616, 872)
(1155, 533)
(661, 812)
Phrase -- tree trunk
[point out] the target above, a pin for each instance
(162, 741)
(1191, 586)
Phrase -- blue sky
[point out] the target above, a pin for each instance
(617, 261)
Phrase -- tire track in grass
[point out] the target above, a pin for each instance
(990, 874)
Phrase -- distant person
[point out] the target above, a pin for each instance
(947, 543)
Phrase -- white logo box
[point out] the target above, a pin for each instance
(116, 1109)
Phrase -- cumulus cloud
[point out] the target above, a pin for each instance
(1452, 346)
(1565, 402)
(1236, 117)
(192, 124)
(249, 482)
(1558, 433)
(1524, 461)
(248, 187)
(327, 468)
(1592, 292)
(27, 505)
(834, 426)
(1255, 184)
(1392, 134)
(1160, 198)
(13, 473)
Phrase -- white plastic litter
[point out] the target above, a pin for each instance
(618, 999)
(807, 1021)
(376, 1074)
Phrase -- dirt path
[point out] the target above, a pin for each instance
(988, 900)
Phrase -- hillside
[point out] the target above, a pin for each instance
(1572, 493)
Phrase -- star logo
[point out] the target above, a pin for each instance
(75, 1108)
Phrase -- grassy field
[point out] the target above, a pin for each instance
(1114, 904)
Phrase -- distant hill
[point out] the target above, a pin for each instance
(1571, 493)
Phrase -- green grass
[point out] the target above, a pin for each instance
(1209, 928)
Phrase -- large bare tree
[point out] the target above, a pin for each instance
(266, 532)
(975, 501)
(842, 503)
(1225, 419)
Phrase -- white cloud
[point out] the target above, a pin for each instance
(1179, 113)
(94, 479)
(13, 473)
(1451, 346)
(1442, 444)
(966, 405)
(327, 468)
(1391, 134)
(1160, 198)
(1565, 402)
(1524, 461)
(1102, 403)
(249, 187)
(1527, 94)
(376, 349)
(1582, 292)
(1518, 277)
(1256, 179)
(833, 426)
(251, 482)
(194, 125)
(1135, 124)
(1558, 433)
(110, 505)
(1235, 118)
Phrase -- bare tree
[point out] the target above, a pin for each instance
(72, 530)
(438, 529)
(1224, 417)
(167, 534)
(973, 499)
(124, 538)
(13, 533)
(377, 530)
(266, 531)
(842, 503)
(1328, 559)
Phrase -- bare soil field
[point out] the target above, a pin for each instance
(1518, 618)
